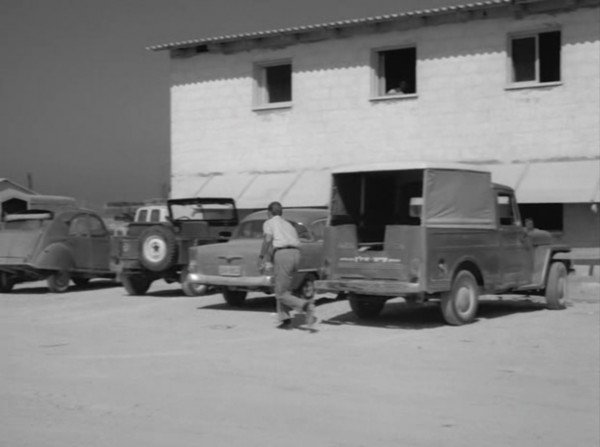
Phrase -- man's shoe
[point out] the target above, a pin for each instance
(285, 324)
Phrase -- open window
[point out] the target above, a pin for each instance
(396, 71)
(273, 83)
(535, 58)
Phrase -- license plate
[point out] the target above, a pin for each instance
(230, 270)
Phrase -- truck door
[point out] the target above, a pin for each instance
(516, 256)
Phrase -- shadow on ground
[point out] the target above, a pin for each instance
(401, 315)
(38, 289)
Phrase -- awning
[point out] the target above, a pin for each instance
(255, 190)
(312, 188)
(266, 188)
(507, 174)
(551, 182)
(225, 185)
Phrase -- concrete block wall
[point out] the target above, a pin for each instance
(463, 110)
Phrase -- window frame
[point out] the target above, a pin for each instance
(378, 79)
(260, 90)
(511, 37)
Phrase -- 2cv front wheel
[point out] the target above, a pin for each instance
(459, 305)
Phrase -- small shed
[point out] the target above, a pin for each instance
(15, 198)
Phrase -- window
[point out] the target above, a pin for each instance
(96, 226)
(79, 226)
(396, 71)
(274, 84)
(318, 229)
(507, 212)
(155, 216)
(535, 58)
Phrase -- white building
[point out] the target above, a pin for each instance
(511, 84)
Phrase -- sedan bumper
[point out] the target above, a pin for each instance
(231, 281)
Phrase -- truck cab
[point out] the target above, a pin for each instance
(426, 231)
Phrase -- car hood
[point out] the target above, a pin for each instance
(206, 259)
(17, 245)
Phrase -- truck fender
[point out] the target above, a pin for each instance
(56, 256)
(470, 264)
(555, 255)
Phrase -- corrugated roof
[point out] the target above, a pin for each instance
(453, 6)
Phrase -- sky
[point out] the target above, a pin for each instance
(84, 106)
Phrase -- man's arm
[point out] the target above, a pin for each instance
(266, 250)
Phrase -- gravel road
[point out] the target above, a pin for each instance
(98, 368)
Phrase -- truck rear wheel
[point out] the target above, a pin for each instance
(235, 298)
(459, 305)
(136, 284)
(556, 286)
(364, 306)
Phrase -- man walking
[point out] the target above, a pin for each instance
(281, 247)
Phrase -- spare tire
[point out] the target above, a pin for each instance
(158, 248)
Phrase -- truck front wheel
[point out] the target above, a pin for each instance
(365, 307)
(459, 305)
(556, 286)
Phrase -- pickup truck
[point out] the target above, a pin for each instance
(159, 250)
(425, 231)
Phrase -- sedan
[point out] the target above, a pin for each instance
(232, 267)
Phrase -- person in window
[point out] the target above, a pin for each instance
(280, 251)
(400, 89)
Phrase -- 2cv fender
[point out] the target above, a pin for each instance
(57, 260)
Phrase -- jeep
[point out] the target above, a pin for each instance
(441, 232)
(159, 250)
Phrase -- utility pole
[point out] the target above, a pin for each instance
(30, 180)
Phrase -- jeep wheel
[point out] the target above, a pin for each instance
(459, 305)
(364, 306)
(58, 282)
(556, 286)
(136, 284)
(6, 282)
(235, 298)
(158, 248)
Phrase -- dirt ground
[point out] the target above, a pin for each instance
(96, 367)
